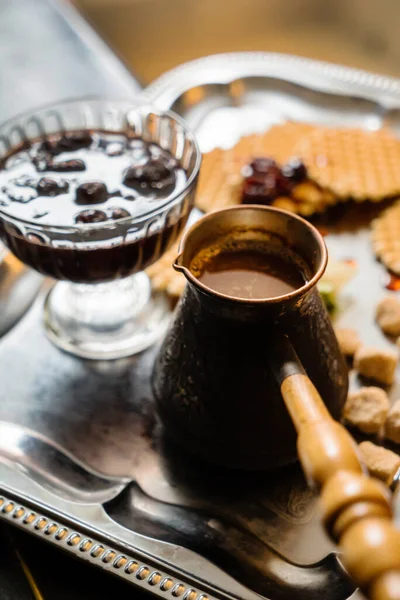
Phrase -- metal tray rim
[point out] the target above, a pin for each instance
(120, 558)
(319, 75)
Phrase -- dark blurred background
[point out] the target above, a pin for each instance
(155, 35)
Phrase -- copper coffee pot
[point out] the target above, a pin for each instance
(216, 390)
(285, 349)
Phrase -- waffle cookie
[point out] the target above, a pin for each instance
(163, 276)
(278, 143)
(352, 163)
(219, 183)
(385, 234)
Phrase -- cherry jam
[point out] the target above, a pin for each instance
(88, 178)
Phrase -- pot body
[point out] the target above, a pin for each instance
(215, 390)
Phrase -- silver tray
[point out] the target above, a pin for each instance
(95, 474)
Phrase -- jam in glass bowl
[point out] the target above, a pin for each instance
(92, 192)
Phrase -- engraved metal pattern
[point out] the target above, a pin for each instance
(126, 567)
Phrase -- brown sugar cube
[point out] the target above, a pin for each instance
(392, 425)
(376, 364)
(367, 409)
(380, 462)
(348, 339)
(388, 315)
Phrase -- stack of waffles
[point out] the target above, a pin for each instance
(339, 165)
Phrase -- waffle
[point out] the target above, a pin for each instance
(352, 163)
(277, 143)
(385, 234)
(219, 183)
(163, 276)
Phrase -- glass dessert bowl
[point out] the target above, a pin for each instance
(93, 192)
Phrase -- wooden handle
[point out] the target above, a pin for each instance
(356, 509)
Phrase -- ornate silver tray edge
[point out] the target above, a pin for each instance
(318, 75)
(89, 534)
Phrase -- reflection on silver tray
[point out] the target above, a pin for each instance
(180, 528)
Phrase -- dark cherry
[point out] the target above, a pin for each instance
(93, 192)
(65, 166)
(275, 185)
(75, 141)
(68, 143)
(262, 190)
(255, 192)
(151, 176)
(284, 185)
(119, 213)
(265, 168)
(295, 170)
(49, 187)
(265, 180)
(91, 216)
(263, 165)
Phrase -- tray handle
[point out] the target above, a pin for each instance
(356, 509)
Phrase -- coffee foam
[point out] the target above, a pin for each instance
(250, 240)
